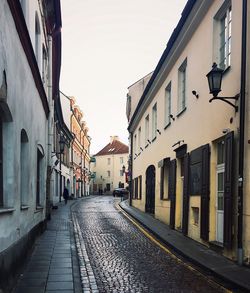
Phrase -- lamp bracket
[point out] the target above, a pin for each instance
(225, 99)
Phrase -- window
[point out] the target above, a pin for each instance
(45, 64)
(121, 160)
(24, 172)
(108, 173)
(225, 39)
(146, 129)
(182, 87)
(154, 121)
(1, 163)
(37, 41)
(139, 139)
(121, 173)
(109, 161)
(167, 105)
(164, 181)
(39, 177)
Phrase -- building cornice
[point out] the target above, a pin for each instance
(17, 14)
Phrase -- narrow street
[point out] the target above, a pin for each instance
(120, 258)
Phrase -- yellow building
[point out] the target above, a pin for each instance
(185, 150)
(109, 166)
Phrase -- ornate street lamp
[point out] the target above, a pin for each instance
(61, 144)
(123, 169)
(214, 82)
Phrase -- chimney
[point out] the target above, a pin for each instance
(112, 138)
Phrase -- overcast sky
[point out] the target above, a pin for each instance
(107, 45)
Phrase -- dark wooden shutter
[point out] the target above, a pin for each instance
(140, 182)
(172, 191)
(205, 181)
(228, 195)
(162, 183)
(185, 208)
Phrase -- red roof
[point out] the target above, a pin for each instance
(116, 147)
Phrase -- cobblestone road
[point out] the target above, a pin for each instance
(121, 259)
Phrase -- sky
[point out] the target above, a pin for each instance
(107, 45)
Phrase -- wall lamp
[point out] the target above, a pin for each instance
(214, 81)
(158, 131)
(195, 94)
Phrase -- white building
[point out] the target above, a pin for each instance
(109, 166)
(27, 90)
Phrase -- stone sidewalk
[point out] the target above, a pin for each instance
(53, 266)
(235, 276)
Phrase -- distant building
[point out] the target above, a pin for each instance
(109, 169)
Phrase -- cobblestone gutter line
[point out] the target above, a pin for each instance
(87, 275)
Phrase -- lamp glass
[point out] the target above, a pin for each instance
(61, 144)
(214, 80)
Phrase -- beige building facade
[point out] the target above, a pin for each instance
(109, 167)
(185, 150)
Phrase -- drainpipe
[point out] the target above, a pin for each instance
(242, 130)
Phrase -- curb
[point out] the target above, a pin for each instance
(228, 283)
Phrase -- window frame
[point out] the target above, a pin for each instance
(182, 87)
(154, 121)
(167, 105)
(146, 129)
(225, 36)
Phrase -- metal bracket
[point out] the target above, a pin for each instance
(225, 99)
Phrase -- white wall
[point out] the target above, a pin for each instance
(28, 113)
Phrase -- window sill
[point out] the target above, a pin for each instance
(165, 199)
(154, 139)
(38, 209)
(24, 207)
(6, 210)
(169, 123)
(181, 112)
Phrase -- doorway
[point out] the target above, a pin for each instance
(150, 190)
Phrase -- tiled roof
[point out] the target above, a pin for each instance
(116, 147)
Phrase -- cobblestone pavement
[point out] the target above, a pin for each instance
(119, 258)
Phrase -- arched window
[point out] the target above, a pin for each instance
(38, 41)
(24, 169)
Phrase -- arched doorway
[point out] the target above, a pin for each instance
(150, 190)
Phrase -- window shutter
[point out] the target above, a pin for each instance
(205, 180)
(140, 181)
(162, 182)
(228, 195)
(172, 191)
(185, 196)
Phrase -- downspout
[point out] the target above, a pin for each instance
(241, 132)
